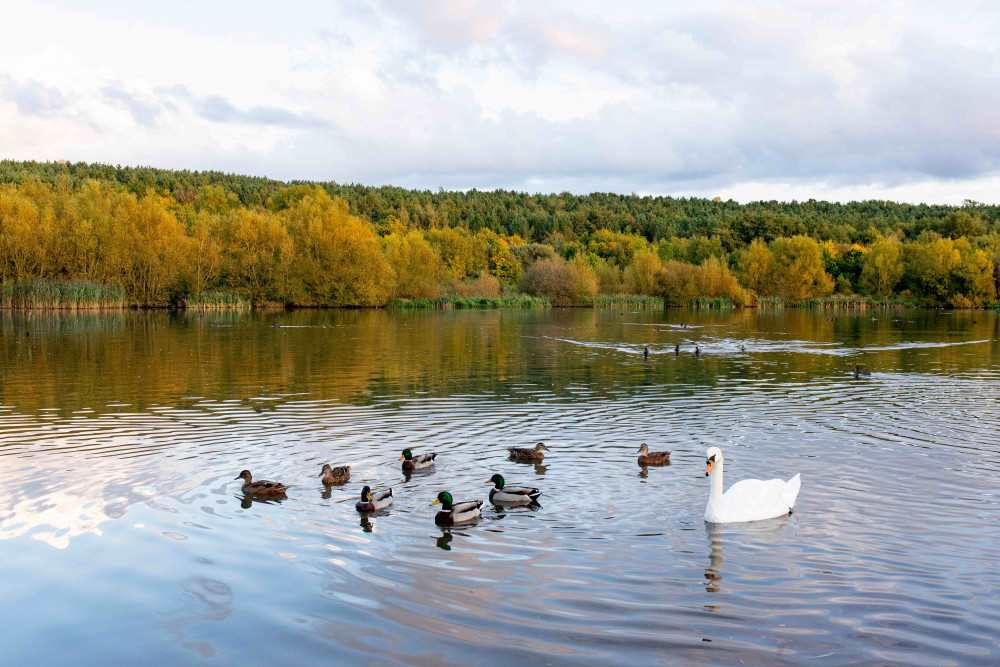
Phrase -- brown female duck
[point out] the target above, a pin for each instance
(522, 454)
(337, 475)
(648, 458)
(263, 488)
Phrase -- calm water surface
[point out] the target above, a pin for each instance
(124, 538)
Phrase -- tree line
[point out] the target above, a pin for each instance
(206, 238)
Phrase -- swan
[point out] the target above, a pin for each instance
(748, 499)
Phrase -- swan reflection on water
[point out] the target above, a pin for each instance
(770, 531)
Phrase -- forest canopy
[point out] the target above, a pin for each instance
(158, 237)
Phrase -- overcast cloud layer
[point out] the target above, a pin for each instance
(769, 100)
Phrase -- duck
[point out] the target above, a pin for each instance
(511, 495)
(452, 513)
(860, 372)
(522, 454)
(337, 475)
(645, 352)
(697, 351)
(411, 462)
(748, 499)
(677, 349)
(371, 502)
(648, 458)
(262, 487)
(743, 348)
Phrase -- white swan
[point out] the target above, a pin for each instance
(748, 499)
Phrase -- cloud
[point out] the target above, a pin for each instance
(218, 109)
(145, 113)
(646, 96)
(32, 98)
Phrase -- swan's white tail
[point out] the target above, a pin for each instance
(792, 490)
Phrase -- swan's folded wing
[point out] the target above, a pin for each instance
(753, 499)
(792, 487)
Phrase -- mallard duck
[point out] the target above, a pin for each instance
(677, 349)
(645, 352)
(337, 475)
(697, 351)
(371, 502)
(260, 488)
(522, 454)
(860, 373)
(648, 458)
(452, 513)
(748, 499)
(511, 495)
(411, 462)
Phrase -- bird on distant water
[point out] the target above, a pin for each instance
(697, 351)
(522, 454)
(648, 458)
(860, 372)
(677, 349)
(645, 352)
(743, 348)
(452, 513)
(263, 488)
(511, 495)
(370, 502)
(411, 462)
(337, 475)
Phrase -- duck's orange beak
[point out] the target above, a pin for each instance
(401, 458)
(435, 503)
(708, 468)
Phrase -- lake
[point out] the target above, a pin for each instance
(125, 539)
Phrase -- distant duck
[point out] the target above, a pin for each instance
(337, 475)
(677, 349)
(411, 462)
(452, 513)
(645, 352)
(648, 458)
(743, 348)
(522, 454)
(263, 488)
(371, 502)
(511, 495)
(860, 372)
(697, 351)
(748, 499)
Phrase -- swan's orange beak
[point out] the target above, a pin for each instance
(708, 468)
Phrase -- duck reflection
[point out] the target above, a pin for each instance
(444, 542)
(643, 472)
(540, 468)
(247, 500)
(422, 472)
(368, 522)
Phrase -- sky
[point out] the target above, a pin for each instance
(783, 99)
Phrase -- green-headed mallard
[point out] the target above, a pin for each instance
(411, 462)
(337, 475)
(262, 488)
(511, 495)
(648, 458)
(371, 502)
(521, 454)
(452, 513)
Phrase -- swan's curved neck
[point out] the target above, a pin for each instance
(715, 497)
